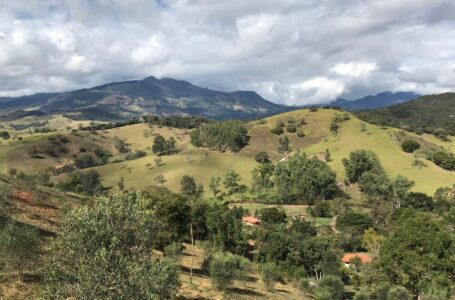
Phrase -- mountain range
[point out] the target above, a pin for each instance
(121, 101)
(125, 100)
(375, 101)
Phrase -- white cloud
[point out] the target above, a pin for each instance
(354, 69)
(290, 51)
(315, 90)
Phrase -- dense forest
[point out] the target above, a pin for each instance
(418, 115)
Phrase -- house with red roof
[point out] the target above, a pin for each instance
(363, 257)
(251, 221)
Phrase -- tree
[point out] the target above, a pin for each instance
(83, 182)
(221, 135)
(262, 177)
(278, 129)
(419, 201)
(398, 292)
(159, 145)
(189, 188)
(359, 162)
(410, 146)
(231, 181)
(19, 246)
(327, 155)
(85, 161)
(103, 251)
(303, 179)
(214, 185)
(270, 274)
(121, 184)
(224, 268)
(372, 241)
(284, 144)
(262, 157)
(291, 128)
(273, 215)
(333, 285)
(419, 249)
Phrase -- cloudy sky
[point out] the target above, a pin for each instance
(289, 51)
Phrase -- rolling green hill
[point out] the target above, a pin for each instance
(431, 113)
(203, 163)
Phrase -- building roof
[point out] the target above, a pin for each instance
(364, 257)
(251, 220)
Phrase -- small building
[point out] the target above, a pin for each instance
(251, 221)
(363, 257)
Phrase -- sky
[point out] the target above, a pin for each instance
(292, 52)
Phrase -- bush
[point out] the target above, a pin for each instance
(332, 286)
(409, 146)
(270, 274)
(398, 292)
(225, 267)
(85, 161)
(262, 157)
(444, 160)
(321, 210)
(278, 129)
(291, 128)
(273, 215)
(173, 250)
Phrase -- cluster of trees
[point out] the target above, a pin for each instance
(296, 180)
(292, 126)
(231, 135)
(176, 121)
(88, 183)
(87, 160)
(336, 120)
(164, 121)
(161, 146)
(444, 160)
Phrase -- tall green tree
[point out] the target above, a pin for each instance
(19, 247)
(418, 251)
(359, 162)
(103, 252)
(231, 181)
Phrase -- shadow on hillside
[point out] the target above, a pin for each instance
(196, 272)
(245, 292)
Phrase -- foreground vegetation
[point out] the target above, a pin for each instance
(140, 211)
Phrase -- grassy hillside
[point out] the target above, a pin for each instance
(431, 113)
(203, 163)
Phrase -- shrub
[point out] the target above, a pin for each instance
(278, 129)
(332, 286)
(173, 250)
(270, 274)
(291, 128)
(225, 267)
(300, 133)
(409, 146)
(398, 292)
(262, 157)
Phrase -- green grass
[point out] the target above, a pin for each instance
(205, 163)
(322, 221)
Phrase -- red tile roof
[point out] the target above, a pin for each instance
(251, 220)
(364, 257)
